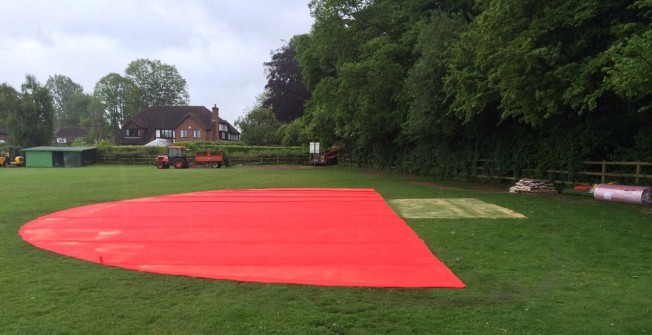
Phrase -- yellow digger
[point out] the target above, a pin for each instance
(12, 158)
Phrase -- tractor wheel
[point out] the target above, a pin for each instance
(180, 163)
(215, 165)
(160, 165)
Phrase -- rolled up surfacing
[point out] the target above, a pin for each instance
(624, 193)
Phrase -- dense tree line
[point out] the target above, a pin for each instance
(441, 83)
(29, 116)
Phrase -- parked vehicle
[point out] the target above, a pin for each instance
(328, 158)
(178, 157)
(12, 158)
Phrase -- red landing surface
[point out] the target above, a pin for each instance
(327, 237)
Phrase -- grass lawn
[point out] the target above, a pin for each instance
(574, 266)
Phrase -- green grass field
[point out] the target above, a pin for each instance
(574, 266)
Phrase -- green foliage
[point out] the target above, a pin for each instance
(120, 98)
(428, 119)
(259, 127)
(131, 154)
(158, 84)
(70, 102)
(294, 133)
(30, 114)
(146, 83)
(94, 122)
(435, 85)
(9, 98)
(631, 73)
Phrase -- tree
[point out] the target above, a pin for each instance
(158, 84)
(119, 96)
(8, 103)
(31, 122)
(287, 92)
(259, 126)
(533, 60)
(631, 73)
(66, 95)
(95, 122)
(428, 119)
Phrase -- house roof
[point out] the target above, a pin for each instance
(232, 129)
(168, 117)
(70, 132)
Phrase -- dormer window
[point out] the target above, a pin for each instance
(131, 132)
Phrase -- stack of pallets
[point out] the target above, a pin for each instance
(527, 185)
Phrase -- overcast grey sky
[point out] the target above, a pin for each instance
(218, 46)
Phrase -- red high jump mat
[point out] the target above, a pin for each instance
(326, 237)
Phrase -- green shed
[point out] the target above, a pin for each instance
(59, 156)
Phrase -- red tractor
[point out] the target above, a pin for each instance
(177, 156)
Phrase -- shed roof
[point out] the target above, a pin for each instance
(64, 149)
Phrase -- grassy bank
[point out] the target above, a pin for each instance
(573, 266)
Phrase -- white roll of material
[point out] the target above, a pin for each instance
(624, 193)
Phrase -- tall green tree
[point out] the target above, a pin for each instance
(9, 98)
(443, 82)
(428, 120)
(120, 98)
(67, 97)
(631, 73)
(158, 83)
(32, 122)
(95, 121)
(355, 61)
(532, 60)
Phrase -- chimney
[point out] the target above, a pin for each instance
(216, 123)
(216, 113)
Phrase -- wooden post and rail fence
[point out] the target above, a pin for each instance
(590, 172)
(145, 159)
(593, 171)
(636, 172)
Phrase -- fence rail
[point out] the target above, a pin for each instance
(270, 160)
(638, 171)
(592, 171)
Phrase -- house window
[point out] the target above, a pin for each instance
(61, 140)
(131, 132)
(183, 133)
(223, 127)
(165, 133)
(196, 133)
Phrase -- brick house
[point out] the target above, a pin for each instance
(176, 124)
(68, 135)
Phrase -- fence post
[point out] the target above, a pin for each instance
(638, 171)
(604, 170)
